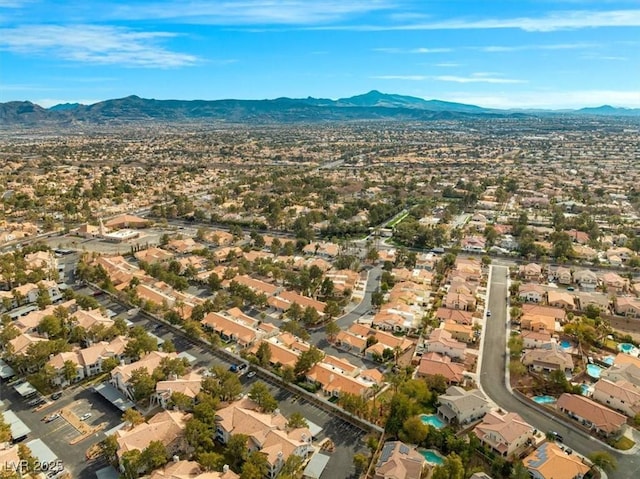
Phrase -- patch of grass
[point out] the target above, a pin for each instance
(623, 443)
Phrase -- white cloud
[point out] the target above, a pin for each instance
(551, 99)
(558, 20)
(519, 48)
(95, 44)
(402, 77)
(431, 50)
(480, 77)
(252, 12)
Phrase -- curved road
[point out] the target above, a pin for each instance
(492, 379)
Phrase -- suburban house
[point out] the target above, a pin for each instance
(530, 272)
(459, 332)
(153, 255)
(461, 406)
(550, 462)
(505, 433)
(441, 341)
(558, 314)
(627, 306)
(434, 364)
(590, 414)
(561, 275)
(586, 279)
(460, 297)
(536, 322)
(531, 292)
(614, 283)
(191, 470)
(545, 360)
(167, 427)
(455, 315)
(88, 361)
(560, 299)
(399, 461)
(189, 385)
(120, 375)
(232, 330)
(334, 381)
(620, 395)
(535, 339)
(268, 433)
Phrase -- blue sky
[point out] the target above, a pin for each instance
(495, 53)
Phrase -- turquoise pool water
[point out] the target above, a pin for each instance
(565, 344)
(585, 390)
(594, 371)
(626, 347)
(432, 420)
(609, 360)
(432, 456)
(544, 399)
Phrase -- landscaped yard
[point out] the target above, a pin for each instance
(623, 443)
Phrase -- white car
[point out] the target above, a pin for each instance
(85, 416)
(250, 374)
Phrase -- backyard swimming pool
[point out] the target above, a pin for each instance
(594, 371)
(432, 456)
(544, 399)
(432, 420)
(609, 360)
(564, 344)
(628, 348)
(585, 390)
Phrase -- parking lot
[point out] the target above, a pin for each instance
(59, 433)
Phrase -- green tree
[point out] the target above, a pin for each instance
(142, 384)
(109, 363)
(109, 448)
(5, 430)
(131, 462)
(255, 467)
(332, 310)
(307, 360)
(291, 467)
(360, 462)
(199, 435)
(414, 430)
(603, 460)
(452, 468)
(263, 354)
(25, 454)
(211, 461)
(133, 417)
(297, 420)
(236, 452)
(331, 330)
(69, 370)
(260, 394)
(180, 401)
(154, 455)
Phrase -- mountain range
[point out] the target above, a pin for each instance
(373, 105)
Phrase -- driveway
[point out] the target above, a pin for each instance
(492, 379)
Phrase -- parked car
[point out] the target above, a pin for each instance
(85, 416)
(51, 418)
(56, 396)
(488, 313)
(251, 374)
(555, 436)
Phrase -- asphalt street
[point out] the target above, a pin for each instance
(492, 379)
